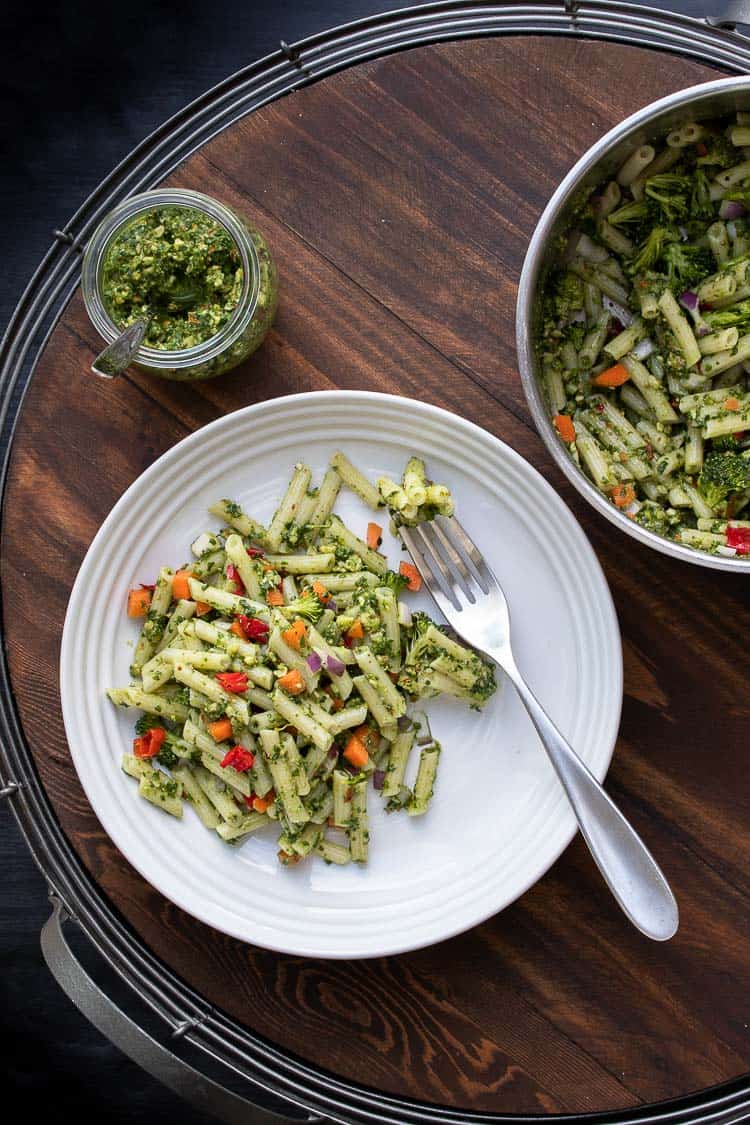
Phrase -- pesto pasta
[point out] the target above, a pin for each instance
(275, 671)
(645, 342)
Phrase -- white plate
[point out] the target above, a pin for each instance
(499, 818)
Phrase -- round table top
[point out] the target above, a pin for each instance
(398, 198)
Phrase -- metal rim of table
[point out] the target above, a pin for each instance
(278, 1079)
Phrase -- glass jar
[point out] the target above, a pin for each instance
(249, 320)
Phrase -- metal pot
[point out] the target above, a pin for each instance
(709, 100)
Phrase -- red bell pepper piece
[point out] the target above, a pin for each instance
(239, 759)
(255, 552)
(234, 576)
(150, 743)
(739, 538)
(236, 682)
(254, 629)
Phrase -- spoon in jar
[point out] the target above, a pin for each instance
(120, 353)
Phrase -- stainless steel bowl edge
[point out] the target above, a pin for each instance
(710, 99)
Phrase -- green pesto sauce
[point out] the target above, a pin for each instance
(177, 265)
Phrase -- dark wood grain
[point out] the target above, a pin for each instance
(398, 199)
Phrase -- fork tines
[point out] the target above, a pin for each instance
(451, 564)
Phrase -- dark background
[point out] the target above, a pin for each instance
(80, 85)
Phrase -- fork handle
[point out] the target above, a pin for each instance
(631, 872)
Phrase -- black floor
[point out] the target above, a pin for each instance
(81, 84)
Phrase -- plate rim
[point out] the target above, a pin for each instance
(298, 400)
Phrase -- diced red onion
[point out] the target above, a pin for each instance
(623, 315)
(330, 604)
(644, 348)
(732, 229)
(378, 779)
(314, 662)
(703, 329)
(731, 209)
(403, 722)
(335, 666)
(689, 300)
(333, 752)
(578, 317)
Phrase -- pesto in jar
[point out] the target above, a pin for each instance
(177, 265)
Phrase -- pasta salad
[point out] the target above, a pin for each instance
(645, 344)
(276, 670)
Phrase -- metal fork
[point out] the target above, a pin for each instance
(470, 598)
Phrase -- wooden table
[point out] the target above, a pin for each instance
(398, 198)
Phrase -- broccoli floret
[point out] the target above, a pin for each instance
(725, 443)
(701, 204)
(634, 212)
(419, 647)
(167, 757)
(307, 605)
(671, 194)
(687, 265)
(420, 623)
(722, 474)
(395, 582)
(720, 153)
(567, 295)
(657, 519)
(652, 249)
(738, 316)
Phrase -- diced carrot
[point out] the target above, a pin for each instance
(220, 730)
(374, 536)
(324, 595)
(180, 587)
(260, 804)
(356, 631)
(138, 603)
(731, 403)
(295, 634)
(612, 377)
(291, 682)
(412, 576)
(565, 428)
(623, 495)
(202, 608)
(355, 753)
(289, 859)
(238, 631)
(274, 597)
(367, 735)
(337, 704)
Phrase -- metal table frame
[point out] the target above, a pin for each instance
(273, 1085)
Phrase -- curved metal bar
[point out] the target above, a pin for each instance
(83, 991)
(186, 1015)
